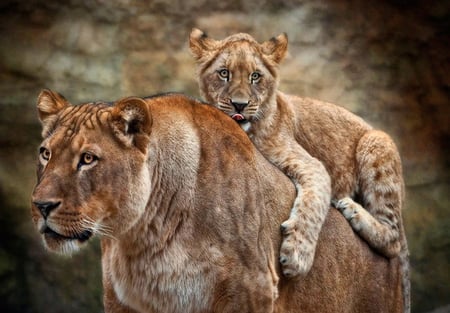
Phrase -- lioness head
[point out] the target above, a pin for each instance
(89, 153)
(237, 74)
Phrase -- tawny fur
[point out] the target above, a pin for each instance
(188, 212)
(327, 151)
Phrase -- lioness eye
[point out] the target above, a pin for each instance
(224, 74)
(44, 153)
(254, 77)
(87, 158)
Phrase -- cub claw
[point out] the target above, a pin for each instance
(283, 259)
(288, 227)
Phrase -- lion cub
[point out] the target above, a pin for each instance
(328, 152)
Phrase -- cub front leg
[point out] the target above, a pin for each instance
(301, 231)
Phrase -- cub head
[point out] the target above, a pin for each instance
(237, 74)
(92, 176)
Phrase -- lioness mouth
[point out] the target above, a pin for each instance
(83, 236)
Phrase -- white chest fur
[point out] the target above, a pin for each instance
(168, 282)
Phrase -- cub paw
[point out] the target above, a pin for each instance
(296, 255)
(350, 210)
(347, 207)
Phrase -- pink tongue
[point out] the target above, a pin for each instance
(238, 117)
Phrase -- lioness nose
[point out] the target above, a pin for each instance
(239, 106)
(46, 207)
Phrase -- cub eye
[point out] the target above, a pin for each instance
(44, 153)
(86, 159)
(224, 74)
(254, 77)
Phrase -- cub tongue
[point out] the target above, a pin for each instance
(238, 117)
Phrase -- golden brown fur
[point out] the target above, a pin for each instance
(188, 212)
(311, 141)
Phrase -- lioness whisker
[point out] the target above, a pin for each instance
(97, 228)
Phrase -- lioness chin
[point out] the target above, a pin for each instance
(328, 152)
(188, 213)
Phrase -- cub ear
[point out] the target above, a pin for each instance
(49, 103)
(132, 122)
(276, 48)
(200, 44)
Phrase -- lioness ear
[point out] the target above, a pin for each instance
(200, 43)
(276, 48)
(132, 122)
(49, 103)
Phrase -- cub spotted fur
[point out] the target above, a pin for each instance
(185, 225)
(310, 141)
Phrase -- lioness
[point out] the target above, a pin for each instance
(188, 212)
(307, 139)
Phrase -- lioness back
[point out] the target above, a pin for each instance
(188, 213)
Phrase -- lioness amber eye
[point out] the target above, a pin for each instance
(224, 74)
(45, 153)
(87, 158)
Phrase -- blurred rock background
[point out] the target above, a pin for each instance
(387, 61)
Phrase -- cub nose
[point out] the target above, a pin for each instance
(46, 207)
(239, 106)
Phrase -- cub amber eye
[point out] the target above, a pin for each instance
(254, 77)
(44, 153)
(224, 74)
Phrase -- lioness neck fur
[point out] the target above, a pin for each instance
(310, 141)
(188, 213)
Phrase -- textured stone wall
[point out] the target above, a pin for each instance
(387, 61)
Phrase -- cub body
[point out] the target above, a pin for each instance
(186, 225)
(328, 152)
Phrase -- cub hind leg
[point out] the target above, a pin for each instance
(378, 219)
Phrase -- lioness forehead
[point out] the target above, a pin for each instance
(89, 115)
